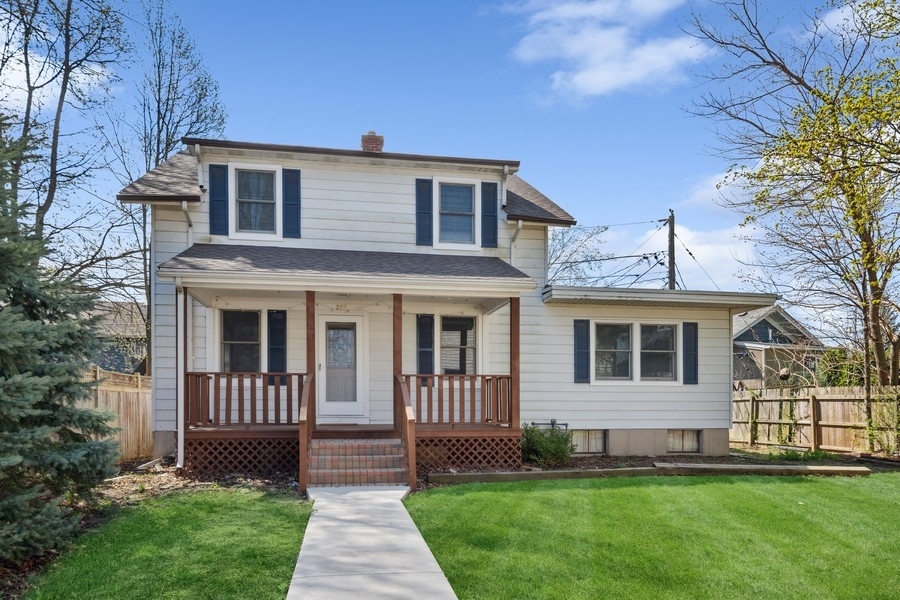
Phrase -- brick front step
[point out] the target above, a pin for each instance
(357, 476)
(386, 461)
(357, 462)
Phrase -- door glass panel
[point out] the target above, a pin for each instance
(340, 362)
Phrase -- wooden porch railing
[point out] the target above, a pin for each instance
(248, 399)
(305, 431)
(406, 419)
(462, 399)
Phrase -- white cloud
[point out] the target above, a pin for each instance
(45, 78)
(605, 45)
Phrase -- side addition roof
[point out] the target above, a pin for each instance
(175, 180)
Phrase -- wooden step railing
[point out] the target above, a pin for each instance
(405, 420)
(234, 399)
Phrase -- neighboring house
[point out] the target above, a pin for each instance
(772, 349)
(376, 292)
(122, 326)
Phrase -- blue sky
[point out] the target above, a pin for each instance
(588, 95)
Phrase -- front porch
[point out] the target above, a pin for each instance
(265, 423)
(278, 347)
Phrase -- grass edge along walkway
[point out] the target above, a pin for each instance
(214, 543)
(667, 537)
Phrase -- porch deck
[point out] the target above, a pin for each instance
(265, 422)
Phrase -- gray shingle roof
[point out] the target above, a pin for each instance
(173, 181)
(524, 202)
(176, 180)
(297, 261)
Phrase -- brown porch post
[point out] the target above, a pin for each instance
(399, 413)
(514, 364)
(311, 354)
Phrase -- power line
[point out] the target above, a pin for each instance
(691, 254)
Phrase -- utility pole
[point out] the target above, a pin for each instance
(671, 249)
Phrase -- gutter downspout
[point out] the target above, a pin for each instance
(180, 354)
(512, 242)
(503, 186)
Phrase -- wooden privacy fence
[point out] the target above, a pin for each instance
(836, 419)
(128, 397)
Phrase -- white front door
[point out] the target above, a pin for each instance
(341, 391)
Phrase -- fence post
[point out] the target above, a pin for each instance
(814, 422)
(752, 418)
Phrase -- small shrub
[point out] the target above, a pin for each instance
(546, 447)
(795, 456)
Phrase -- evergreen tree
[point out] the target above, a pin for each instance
(49, 453)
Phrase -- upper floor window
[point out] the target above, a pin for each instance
(457, 213)
(255, 200)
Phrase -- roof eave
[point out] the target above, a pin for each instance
(662, 298)
(486, 287)
(152, 199)
(237, 145)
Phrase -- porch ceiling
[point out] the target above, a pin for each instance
(263, 268)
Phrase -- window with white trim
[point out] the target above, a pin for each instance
(457, 213)
(612, 351)
(629, 351)
(658, 359)
(255, 201)
(255, 198)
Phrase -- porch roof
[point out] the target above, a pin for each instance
(232, 266)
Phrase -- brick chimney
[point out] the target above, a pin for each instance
(371, 142)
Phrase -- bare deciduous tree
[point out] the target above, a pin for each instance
(810, 119)
(176, 97)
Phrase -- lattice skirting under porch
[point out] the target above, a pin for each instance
(257, 456)
(469, 452)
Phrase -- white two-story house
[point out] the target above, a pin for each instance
(308, 297)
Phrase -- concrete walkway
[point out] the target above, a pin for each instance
(361, 543)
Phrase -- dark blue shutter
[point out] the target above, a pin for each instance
(277, 324)
(488, 215)
(290, 202)
(424, 209)
(424, 345)
(218, 199)
(582, 351)
(691, 359)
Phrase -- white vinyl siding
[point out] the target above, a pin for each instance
(548, 390)
(352, 207)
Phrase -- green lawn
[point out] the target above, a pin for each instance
(668, 537)
(220, 543)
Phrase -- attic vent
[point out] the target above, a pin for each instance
(372, 142)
